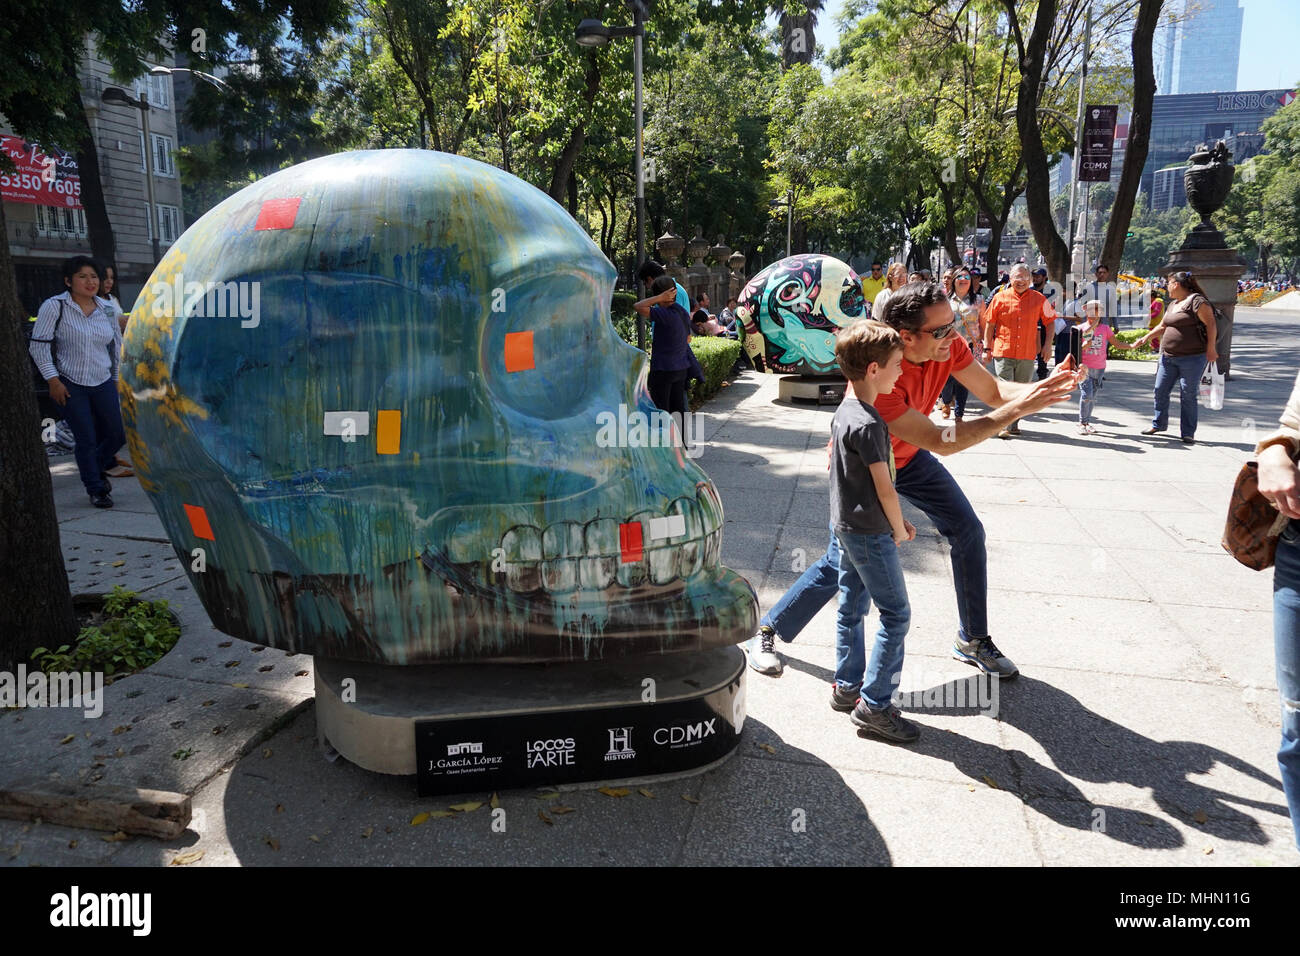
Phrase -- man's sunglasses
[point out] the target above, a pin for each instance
(942, 332)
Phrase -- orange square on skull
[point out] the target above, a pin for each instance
(388, 432)
(519, 351)
(199, 522)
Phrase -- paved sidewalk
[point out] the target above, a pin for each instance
(1141, 732)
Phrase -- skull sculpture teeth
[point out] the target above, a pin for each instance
(395, 459)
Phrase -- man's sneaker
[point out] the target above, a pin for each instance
(762, 651)
(888, 724)
(843, 699)
(1014, 429)
(984, 654)
(101, 500)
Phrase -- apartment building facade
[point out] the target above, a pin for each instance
(44, 214)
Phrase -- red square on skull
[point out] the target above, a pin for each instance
(630, 542)
(199, 522)
(278, 213)
(519, 351)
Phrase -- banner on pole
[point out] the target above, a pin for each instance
(42, 179)
(1098, 142)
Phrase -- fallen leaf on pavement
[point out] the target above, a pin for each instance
(548, 796)
(468, 807)
(118, 564)
(494, 803)
(184, 859)
(314, 838)
(1200, 817)
(688, 798)
(1208, 850)
(279, 808)
(117, 837)
(365, 834)
(541, 815)
(72, 844)
(768, 747)
(614, 791)
(990, 782)
(644, 792)
(558, 810)
(68, 739)
(266, 753)
(419, 818)
(272, 842)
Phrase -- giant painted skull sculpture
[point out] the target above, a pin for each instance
(799, 304)
(398, 457)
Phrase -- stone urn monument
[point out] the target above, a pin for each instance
(1205, 253)
(1208, 180)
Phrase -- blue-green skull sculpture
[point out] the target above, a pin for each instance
(364, 395)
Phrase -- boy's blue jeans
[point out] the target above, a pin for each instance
(870, 569)
(1286, 639)
(1088, 394)
(1185, 370)
(924, 482)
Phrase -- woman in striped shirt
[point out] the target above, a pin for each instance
(76, 345)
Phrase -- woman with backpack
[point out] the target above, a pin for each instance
(1187, 334)
(77, 345)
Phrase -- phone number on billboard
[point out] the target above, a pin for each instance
(35, 182)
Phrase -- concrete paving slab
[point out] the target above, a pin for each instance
(92, 562)
(1208, 580)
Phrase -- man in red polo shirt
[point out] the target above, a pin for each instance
(1011, 332)
(931, 352)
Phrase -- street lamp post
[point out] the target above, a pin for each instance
(595, 33)
(115, 95)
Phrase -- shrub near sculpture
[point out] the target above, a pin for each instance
(397, 460)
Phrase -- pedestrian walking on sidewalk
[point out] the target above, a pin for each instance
(77, 345)
(1279, 481)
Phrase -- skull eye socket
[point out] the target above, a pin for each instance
(549, 373)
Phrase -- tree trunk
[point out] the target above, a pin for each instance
(1038, 197)
(35, 603)
(568, 158)
(102, 244)
(1139, 134)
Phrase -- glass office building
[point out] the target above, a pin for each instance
(1180, 123)
(1201, 52)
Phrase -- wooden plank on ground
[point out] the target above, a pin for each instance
(155, 813)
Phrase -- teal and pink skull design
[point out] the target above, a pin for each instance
(799, 304)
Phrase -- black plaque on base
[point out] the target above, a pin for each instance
(575, 746)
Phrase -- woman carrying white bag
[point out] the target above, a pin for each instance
(1187, 335)
(1213, 385)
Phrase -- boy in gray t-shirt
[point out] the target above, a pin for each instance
(869, 526)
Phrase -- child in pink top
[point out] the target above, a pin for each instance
(1097, 335)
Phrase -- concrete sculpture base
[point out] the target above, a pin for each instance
(818, 391)
(474, 727)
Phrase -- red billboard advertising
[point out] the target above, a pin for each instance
(40, 179)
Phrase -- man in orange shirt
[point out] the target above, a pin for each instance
(1011, 332)
(932, 352)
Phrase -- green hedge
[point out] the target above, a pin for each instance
(624, 316)
(1144, 354)
(717, 356)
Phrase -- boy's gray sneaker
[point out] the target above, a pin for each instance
(761, 649)
(843, 699)
(981, 652)
(887, 724)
